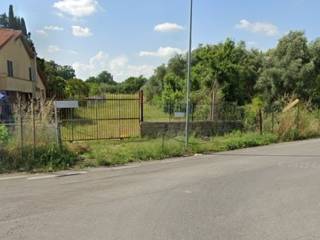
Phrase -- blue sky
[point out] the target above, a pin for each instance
(132, 37)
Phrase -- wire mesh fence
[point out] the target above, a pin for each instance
(297, 122)
(23, 128)
(176, 112)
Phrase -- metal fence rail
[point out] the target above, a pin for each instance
(113, 117)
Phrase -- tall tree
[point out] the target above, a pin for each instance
(12, 20)
(4, 20)
(24, 27)
(288, 69)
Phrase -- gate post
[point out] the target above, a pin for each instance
(57, 126)
(141, 106)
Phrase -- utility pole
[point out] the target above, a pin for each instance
(189, 77)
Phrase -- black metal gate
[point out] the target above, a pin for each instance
(113, 117)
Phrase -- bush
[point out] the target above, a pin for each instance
(4, 134)
(298, 123)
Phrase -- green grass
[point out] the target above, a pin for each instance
(111, 153)
(46, 158)
(155, 113)
(91, 121)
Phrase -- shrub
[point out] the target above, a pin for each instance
(298, 123)
(46, 158)
(4, 134)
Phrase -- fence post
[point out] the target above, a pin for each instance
(57, 126)
(21, 128)
(33, 127)
(260, 121)
(272, 121)
(298, 119)
(141, 106)
(97, 121)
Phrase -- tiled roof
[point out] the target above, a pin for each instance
(7, 34)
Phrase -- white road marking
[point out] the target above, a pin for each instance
(124, 167)
(42, 177)
(12, 178)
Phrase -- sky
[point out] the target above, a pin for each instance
(133, 37)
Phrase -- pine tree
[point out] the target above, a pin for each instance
(4, 21)
(17, 23)
(23, 27)
(12, 20)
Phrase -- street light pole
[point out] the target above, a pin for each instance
(189, 77)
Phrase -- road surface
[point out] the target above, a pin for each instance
(262, 193)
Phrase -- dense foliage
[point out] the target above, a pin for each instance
(231, 72)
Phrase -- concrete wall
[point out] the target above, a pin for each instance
(201, 128)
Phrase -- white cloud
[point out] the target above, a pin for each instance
(42, 32)
(265, 28)
(53, 28)
(73, 52)
(168, 27)
(78, 31)
(46, 29)
(163, 52)
(118, 66)
(77, 8)
(53, 49)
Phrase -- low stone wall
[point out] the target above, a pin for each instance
(201, 128)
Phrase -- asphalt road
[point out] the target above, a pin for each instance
(262, 193)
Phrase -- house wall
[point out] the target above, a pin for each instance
(15, 51)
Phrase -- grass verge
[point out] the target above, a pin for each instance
(111, 153)
(44, 158)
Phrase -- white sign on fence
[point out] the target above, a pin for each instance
(66, 104)
(179, 114)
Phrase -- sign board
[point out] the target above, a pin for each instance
(66, 104)
(179, 114)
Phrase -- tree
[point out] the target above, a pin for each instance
(155, 85)
(103, 77)
(132, 84)
(4, 21)
(12, 20)
(57, 77)
(76, 88)
(66, 72)
(24, 27)
(289, 69)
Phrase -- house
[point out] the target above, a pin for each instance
(19, 74)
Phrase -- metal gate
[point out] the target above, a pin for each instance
(113, 117)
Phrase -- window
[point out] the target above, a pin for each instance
(10, 68)
(30, 74)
